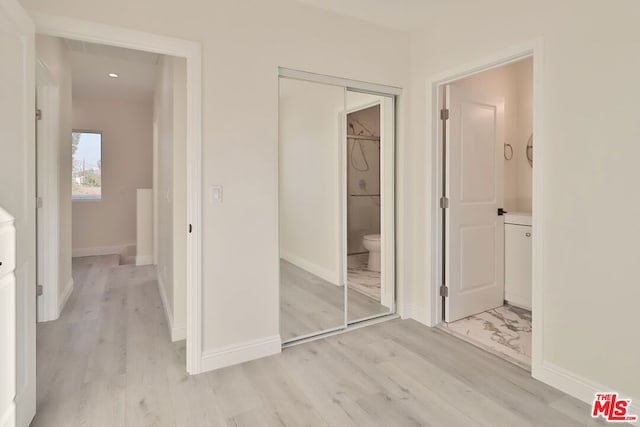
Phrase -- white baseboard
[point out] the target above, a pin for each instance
(144, 259)
(25, 405)
(101, 250)
(65, 296)
(8, 419)
(579, 387)
(233, 355)
(178, 333)
(167, 311)
(332, 277)
(417, 313)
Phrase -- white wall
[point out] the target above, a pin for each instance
(126, 166)
(513, 83)
(243, 43)
(169, 122)
(310, 137)
(53, 54)
(591, 134)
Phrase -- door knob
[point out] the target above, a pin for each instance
(501, 211)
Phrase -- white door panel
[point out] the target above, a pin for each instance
(474, 260)
(17, 194)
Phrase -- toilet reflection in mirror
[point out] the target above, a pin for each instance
(365, 160)
(363, 205)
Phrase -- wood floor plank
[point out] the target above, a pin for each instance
(108, 361)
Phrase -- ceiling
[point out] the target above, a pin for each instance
(91, 64)
(405, 15)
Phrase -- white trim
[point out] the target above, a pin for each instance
(8, 419)
(48, 235)
(101, 250)
(144, 259)
(115, 36)
(431, 314)
(577, 386)
(338, 331)
(64, 297)
(176, 332)
(332, 277)
(358, 85)
(249, 350)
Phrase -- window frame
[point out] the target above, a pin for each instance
(88, 199)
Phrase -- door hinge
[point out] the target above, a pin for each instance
(38, 114)
(39, 290)
(39, 202)
(444, 291)
(444, 202)
(444, 114)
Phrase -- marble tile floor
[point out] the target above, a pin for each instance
(504, 331)
(361, 279)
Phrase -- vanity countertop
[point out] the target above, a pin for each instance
(518, 218)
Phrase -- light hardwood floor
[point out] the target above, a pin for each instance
(108, 361)
(310, 304)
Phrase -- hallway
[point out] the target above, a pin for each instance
(108, 361)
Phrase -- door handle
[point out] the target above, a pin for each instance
(501, 211)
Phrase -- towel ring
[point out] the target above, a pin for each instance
(508, 152)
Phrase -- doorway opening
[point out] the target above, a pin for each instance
(184, 196)
(486, 209)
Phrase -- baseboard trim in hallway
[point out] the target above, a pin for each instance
(176, 332)
(65, 296)
(101, 250)
(233, 355)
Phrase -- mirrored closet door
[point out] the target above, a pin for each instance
(336, 205)
(369, 171)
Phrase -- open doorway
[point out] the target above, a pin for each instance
(487, 165)
(118, 129)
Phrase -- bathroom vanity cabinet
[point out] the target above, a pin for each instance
(517, 264)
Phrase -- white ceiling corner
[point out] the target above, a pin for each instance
(90, 64)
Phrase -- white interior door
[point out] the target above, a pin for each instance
(17, 191)
(474, 233)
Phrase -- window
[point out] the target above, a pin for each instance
(86, 174)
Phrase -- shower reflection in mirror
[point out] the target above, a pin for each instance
(336, 205)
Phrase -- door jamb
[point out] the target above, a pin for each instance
(76, 29)
(47, 175)
(533, 49)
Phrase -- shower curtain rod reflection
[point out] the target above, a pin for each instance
(364, 137)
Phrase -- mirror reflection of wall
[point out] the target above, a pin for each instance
(311, 292)
(336, 203)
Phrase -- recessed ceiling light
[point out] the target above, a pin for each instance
(113, 75)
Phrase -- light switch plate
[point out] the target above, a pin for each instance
(216, 194)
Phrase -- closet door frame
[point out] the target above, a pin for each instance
(361, 87)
